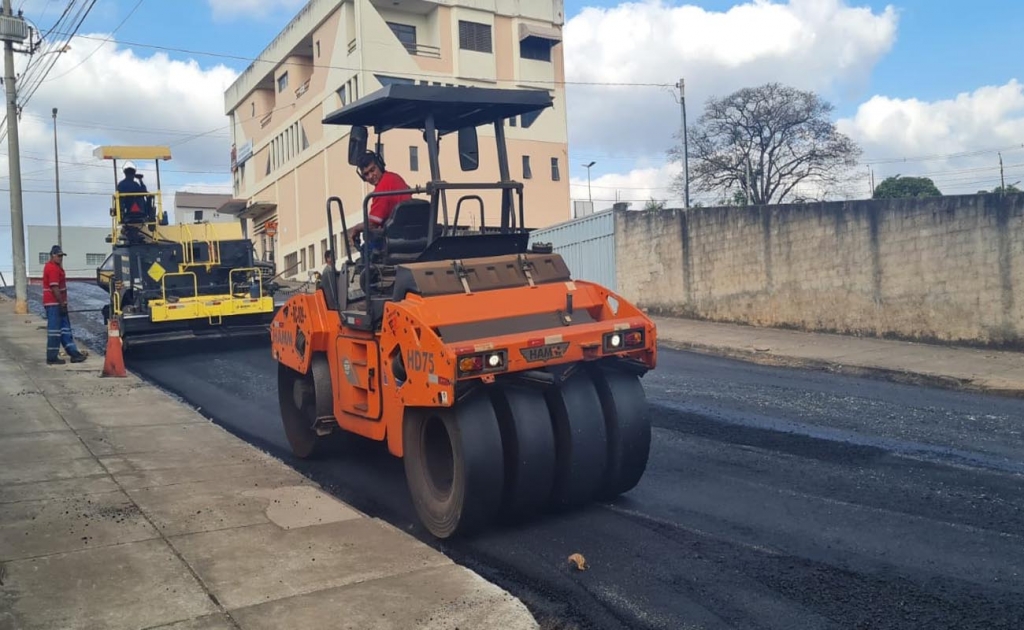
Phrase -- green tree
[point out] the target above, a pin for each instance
(897, 187)
(653, 204)
(765, 142)
(999, 190)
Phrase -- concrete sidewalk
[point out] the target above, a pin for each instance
(960, 368)
(121, 507)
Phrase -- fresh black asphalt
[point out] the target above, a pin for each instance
(774, 498)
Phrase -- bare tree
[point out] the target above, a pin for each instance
(764, 142)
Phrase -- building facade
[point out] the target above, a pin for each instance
(286, 164)
(86, 249)
(201, 208)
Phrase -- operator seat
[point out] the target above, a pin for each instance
(329, 283)
(406, 231)
(133, 210)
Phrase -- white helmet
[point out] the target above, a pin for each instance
(129, 166)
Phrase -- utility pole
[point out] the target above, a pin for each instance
(56, 166)
(686, 149)
(1002, 178)
(14, 29)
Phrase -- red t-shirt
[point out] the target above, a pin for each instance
(382, 207)
(53, 274)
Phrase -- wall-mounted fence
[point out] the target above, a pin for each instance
(587, 245)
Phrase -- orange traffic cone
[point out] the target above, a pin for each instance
(113, 362)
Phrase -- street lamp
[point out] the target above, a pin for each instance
(589, 195)
(56, 166)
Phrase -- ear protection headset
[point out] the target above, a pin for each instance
(377, 159)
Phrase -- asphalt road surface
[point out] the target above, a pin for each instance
(774, 498)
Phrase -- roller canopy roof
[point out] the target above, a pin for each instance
(401, 106)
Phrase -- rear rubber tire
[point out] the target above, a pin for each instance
(629, 429)
(581, 442)
(529, 447)
(454, 466)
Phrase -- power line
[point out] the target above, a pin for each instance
(28, 82)
(205, 53)
(94, 50)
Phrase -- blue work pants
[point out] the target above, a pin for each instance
(58, 333)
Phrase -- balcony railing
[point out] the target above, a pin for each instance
(299, 91)
(422, 50)
(352, 46)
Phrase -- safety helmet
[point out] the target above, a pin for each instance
(129, 166)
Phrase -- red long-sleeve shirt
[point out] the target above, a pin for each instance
(382, 207)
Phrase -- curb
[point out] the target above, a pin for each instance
(903, 377)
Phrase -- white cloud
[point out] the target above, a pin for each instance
(810, 44)
(961, 137)
(229, 9)
(106, 94)
(636, 187)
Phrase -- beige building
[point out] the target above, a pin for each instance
(286, 164)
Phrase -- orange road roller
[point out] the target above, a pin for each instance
(507, 387)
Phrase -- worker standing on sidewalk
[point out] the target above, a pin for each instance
(55, 300)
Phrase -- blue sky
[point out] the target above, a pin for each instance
(909, 78)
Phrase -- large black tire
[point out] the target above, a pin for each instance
(302, 399)
(529, 448)
(454, 465)
(629, 429)
(581, 441)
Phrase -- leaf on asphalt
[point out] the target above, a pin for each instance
(578, 561)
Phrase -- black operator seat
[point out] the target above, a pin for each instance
(406, 231)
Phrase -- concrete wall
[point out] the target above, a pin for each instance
(941, 269)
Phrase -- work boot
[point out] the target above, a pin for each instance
(55, 362)
(78, 358)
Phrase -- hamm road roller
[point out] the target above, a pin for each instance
(507, 387)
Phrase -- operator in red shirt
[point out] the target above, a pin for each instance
(372, 170)
(55, 301)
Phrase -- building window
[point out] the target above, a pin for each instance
(414, 158)
(536, 48)
(405, 34)
(318, 48)
(44, 257)
(342, 96)
(254, 109)
(291, 261)
(95, 259)
(527, 174)
(197, 216)
(512, 121)
(555, 176)
(475, 36)
(282, 82)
